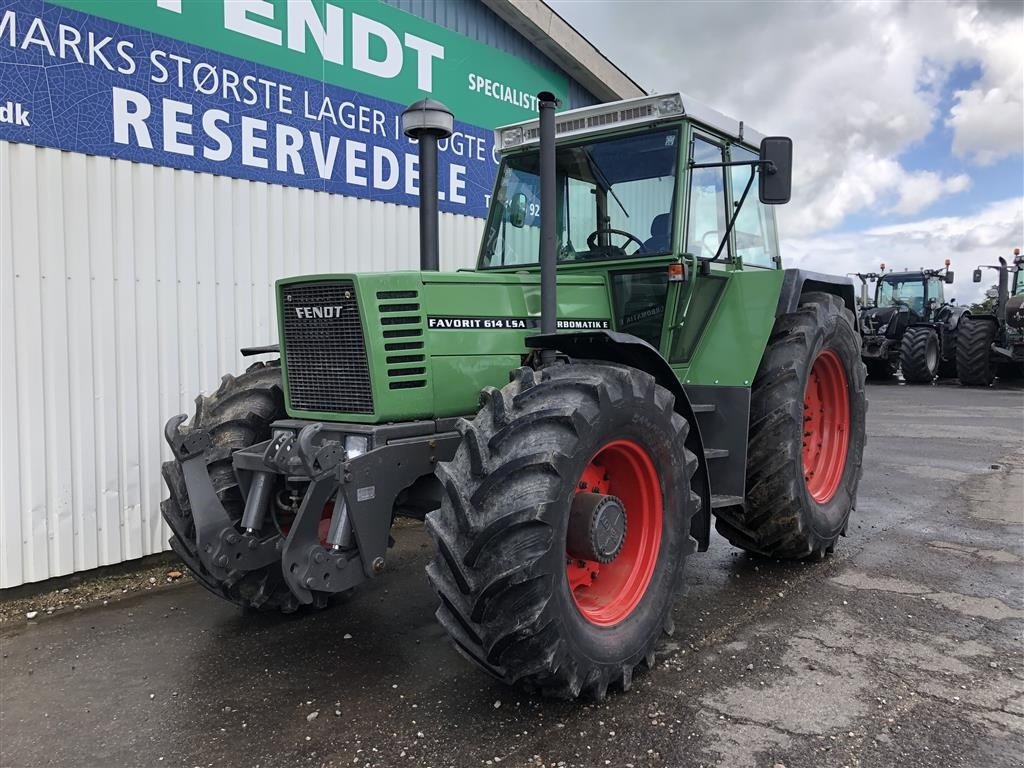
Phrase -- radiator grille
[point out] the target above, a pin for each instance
(402, 325)
(324, 348)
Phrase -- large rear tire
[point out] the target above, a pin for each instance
(513, 598)
(237, 415)
(919, 355)
(974, 351)
(807, 410)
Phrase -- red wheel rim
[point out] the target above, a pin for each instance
(606, 594)
(826, 426)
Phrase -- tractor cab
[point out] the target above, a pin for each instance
(921, 292)
(654, 197)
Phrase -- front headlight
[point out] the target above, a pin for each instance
(356, 445)
(883, 328)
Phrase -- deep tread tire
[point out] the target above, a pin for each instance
(780, 518)
(974, 351)
(237, 415)
(919, 355)
(500, 567)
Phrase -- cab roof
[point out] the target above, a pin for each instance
(627, 113)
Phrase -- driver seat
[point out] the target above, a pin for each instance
(661, 234)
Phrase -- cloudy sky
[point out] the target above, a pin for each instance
(907, 117)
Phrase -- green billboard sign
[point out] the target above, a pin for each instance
(365, 46)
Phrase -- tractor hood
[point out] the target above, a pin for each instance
(414, 345)
(873, 320)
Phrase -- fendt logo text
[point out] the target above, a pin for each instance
(326, 313)
(14, 113)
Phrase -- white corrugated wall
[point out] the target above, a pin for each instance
(125, 289)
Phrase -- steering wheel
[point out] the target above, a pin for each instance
(592, 238)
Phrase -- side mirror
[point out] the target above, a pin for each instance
(949, 278)
(976, 276)
(517, 210)
(776, 177)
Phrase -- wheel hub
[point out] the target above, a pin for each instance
(612, 541)
(597, 527)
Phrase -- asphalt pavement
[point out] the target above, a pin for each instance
(904, 648)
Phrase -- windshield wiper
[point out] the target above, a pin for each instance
(602, 179)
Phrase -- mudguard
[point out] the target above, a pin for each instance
(796, 282)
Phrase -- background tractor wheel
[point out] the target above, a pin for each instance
(564, 527)
(973, 351)
(806, 441)
(237, 415)
(880, 370)
(919, 355)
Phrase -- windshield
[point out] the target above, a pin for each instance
(625, 183)
(910, 293)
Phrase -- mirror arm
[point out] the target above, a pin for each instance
(769, 165)
(739, 207)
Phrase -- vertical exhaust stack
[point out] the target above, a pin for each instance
(547, 103)
(427, 121)
(1003, 294)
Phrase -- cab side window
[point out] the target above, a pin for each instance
(756, 240)
(706, 221)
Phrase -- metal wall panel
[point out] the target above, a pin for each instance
(125, 289)
(475, 20)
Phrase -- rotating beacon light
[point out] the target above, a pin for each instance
(427, 121)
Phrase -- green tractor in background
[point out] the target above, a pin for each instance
(992, 344)
(628, 361)
(909, 326)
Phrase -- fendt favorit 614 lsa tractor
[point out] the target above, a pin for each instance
(627, 361)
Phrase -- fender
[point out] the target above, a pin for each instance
(796, 282)
(626, 349)
(949, 315)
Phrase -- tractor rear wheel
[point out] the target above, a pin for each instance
(237, 415)
(974, 351)
(806, 442)
(919, 355)
(564, 526)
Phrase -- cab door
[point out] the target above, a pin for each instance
(705, 226)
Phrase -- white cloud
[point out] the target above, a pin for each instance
(988, 118)
(967, 241)
(919, 190)
(856, 84)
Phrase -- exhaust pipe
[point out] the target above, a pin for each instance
(1004, 290)
(547, 103)
(427, 121)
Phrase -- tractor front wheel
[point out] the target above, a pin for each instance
(806, 438)
(237, 415)
(974, 351)
(919, 355)
(564, 526)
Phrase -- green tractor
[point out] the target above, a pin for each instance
(992, 344)
(909, 326)
(627, 361)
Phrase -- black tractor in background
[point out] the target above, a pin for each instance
(992, 343)
(909, 325)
